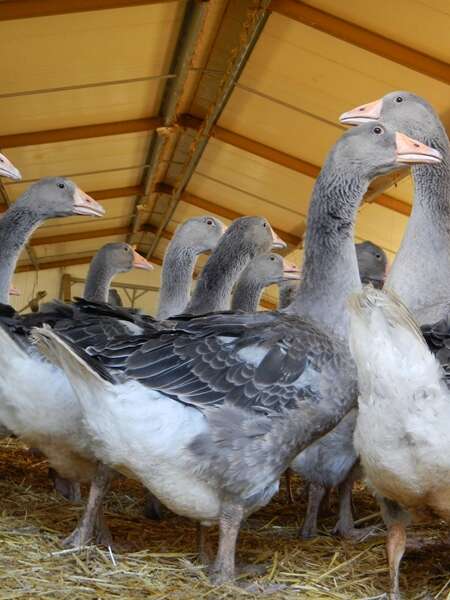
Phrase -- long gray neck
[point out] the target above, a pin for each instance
(330, 269)
(16, 226)
(214, 287)
(420, 274)
(247, 294)
(176, 278)
(98, 281)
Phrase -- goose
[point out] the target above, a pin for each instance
(193, 237)
(109, 260)
(331, 462)
(424, 290)
(403, 390)
(246, 238)
(209, 414)
(261, 272)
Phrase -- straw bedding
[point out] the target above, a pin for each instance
(158, 560)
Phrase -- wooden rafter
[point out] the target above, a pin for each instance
(68, 262)
(25, 9)
(221, 211)
(51, 136)
(363, 38)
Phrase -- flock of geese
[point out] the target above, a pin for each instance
(209, 403)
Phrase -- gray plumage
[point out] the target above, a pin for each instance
(191, 238)
(267, 384)
(261, 272)
(48, 198)
(111, 259)
(245, 238)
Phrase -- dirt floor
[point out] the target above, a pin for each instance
(158, 560)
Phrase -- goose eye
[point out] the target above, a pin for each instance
(1, 160)
(264, 224)
(61, 185)
(399, 99)
(377, 130)
(378, 256)
(209, 222)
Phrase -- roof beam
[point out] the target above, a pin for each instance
(25, 9)
(363, 38)
(51, 136)
(220, 211)
(78, 236)
(67, 262)
(286, 160)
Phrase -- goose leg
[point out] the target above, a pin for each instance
(223, 569)
(316, 492)
(345, 526)
(205, 551)
(395, 547)
(92, 521)
(67, 488)
(153, 509)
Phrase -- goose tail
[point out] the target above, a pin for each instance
(89, 379)
(386, 342)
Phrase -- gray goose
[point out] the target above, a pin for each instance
(262, 271)
(208, 415)
(193, 237)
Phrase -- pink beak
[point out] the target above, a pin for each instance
(7, 169)
(290, 270)
(411, 151)
(13, 291)
(277, 241)
(85, 205)
(139, 262)
(363, 114)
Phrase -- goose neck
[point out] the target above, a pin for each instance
(330, 269)
(16, 226)
(176, 278)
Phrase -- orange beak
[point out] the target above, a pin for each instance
(365, 113)
(85, 205)
(13, 291)
(290, 270)
(7, 169)
(139, 262)
(277, 241)
(409, 151)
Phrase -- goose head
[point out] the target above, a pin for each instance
(254, 234)
(272, 268)
(60, 197)
(404, 111)
(200, 234)
(372, 263)
(122, 257)
(374, 149)
(7, 169)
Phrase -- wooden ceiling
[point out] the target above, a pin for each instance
(165, 110)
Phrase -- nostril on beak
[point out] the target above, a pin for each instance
(362, 109)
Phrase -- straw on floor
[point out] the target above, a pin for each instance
(158, 560)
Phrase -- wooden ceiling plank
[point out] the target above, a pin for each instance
(68, 262)
(26, 9)
(220, 211)
(52, 136)
(363, 38)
